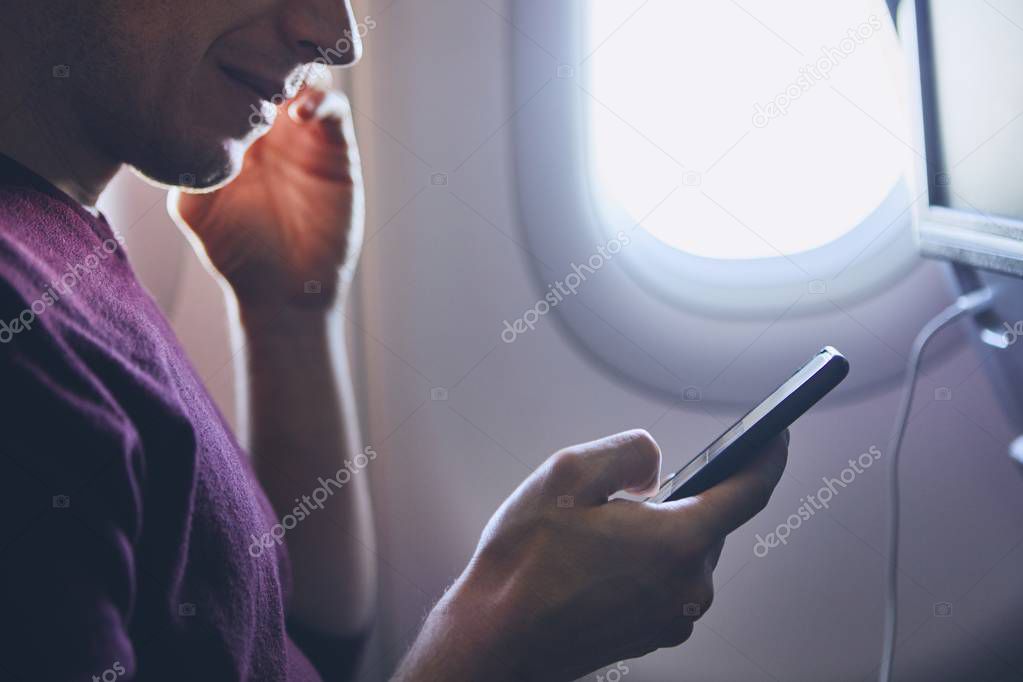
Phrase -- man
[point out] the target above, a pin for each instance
(140, 543)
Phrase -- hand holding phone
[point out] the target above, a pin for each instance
(567, 580)
(597, 580)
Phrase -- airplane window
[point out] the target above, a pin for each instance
(761, 157)
(745, 129)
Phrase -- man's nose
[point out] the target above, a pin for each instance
(323, 30)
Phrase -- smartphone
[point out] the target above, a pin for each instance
(774, 414)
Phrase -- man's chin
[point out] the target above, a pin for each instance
(201, 170)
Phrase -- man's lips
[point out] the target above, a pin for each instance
(264, 88)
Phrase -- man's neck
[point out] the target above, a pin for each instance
(40, 134)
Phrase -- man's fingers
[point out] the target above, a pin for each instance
(737, 499)
(594, 471)
(303, 107)
(330, 109)
(316, 129)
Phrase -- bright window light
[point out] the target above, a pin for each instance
(745, 129)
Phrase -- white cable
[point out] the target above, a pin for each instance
(973, 302)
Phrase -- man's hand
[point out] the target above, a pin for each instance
(287, 231)
(564, 581)
(285, 234)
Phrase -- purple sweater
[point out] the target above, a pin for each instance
(129, 506)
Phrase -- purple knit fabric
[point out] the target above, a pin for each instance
(129, 506)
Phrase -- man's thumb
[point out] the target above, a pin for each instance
(594, 471)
